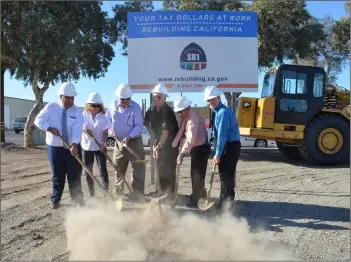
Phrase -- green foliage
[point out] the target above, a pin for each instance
(333, 51)
(286, 30)
(56, 41)
(121, 18)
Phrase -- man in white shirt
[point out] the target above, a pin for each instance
(63, 118)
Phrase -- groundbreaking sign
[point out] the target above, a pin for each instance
(189, 50)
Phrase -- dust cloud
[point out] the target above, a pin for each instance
(107, 234)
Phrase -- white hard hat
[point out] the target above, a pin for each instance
(94, 98)
(211, 92)
(161, 89)
(180, 103)
(67, 89)
(123, 91)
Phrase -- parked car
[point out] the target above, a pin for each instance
(144, 135)
(18, 124)
(247, 141)
(256, 142)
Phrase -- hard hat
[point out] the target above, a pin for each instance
(180, 103)
(123, 91)
(211, 92)
(161, 89)
(67, 89)
(94, 98)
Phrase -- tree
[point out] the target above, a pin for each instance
(121, 15)
(332, 51)
(46, 42)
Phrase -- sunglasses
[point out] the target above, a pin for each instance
(182, 111)
(124, 99)
(98, 106)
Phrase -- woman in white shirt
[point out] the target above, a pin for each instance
(96, 124)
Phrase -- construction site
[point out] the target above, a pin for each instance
(284, 211)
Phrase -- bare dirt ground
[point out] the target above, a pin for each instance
(301, 208)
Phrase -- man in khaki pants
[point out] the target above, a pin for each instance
(127, 123)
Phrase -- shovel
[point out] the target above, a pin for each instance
(113, 165)
(115, 168)
(176, 187)
(205, 203)
(138, 161)
(117, 201)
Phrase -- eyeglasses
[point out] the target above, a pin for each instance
(125, 99)
(98, 106)
(157, 97)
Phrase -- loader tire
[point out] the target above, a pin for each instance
(289, 152)
(326, 141)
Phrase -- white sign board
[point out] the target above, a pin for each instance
(189, 50)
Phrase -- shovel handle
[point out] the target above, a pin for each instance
(211, 180)
(86, 169)
(113, 164)
(177, 180)
(157, 175)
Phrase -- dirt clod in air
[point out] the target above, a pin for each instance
(107, 234)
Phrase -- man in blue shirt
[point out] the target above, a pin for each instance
(227, 135)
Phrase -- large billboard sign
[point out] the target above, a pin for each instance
(189, 50)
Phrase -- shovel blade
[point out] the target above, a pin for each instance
(204, 203)
(117, 201)
(119, 204)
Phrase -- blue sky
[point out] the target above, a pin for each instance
(118, 70)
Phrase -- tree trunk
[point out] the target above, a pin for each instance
(29, 126)
(2, 102)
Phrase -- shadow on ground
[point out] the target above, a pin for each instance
(269, 155)
(275, 216)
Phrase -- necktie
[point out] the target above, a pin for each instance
(64, 127)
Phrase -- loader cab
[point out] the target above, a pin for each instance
(298, 91)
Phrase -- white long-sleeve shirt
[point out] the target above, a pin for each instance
(51, 116)
(97, 126)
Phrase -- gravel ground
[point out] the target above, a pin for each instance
(303, 208)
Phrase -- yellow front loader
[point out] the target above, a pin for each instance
(308, 118)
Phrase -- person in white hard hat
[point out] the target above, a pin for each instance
(95, 126)
(193, 129)
(127, 123)
(162, 124)
(63, 118)
(228, 146)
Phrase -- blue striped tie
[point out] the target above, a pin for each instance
(64, 127)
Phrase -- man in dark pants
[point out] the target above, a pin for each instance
(162, 124)
(127, 123)
(66, 119)
(227, 135)
(194, 131)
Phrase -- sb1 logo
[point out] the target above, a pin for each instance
(193, 57)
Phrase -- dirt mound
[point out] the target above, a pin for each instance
(106, 234)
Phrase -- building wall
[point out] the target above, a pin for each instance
(15, 107)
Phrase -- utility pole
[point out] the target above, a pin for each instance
(2, 106)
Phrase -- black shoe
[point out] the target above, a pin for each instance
(55, 205)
